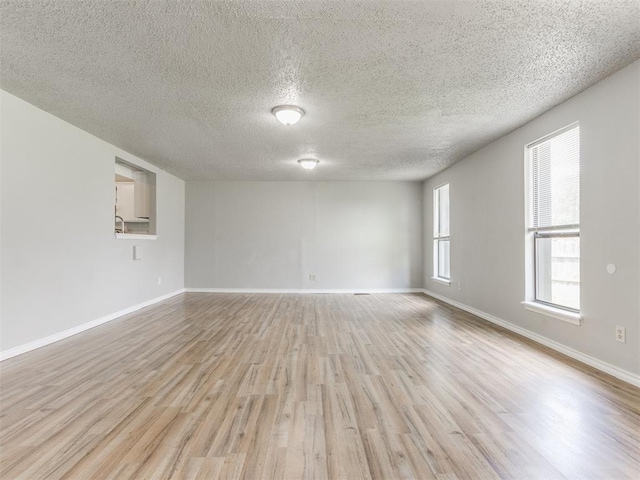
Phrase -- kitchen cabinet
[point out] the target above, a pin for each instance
(142, 186)
(125, 200)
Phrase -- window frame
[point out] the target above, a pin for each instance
(533, 302)
(438, 236)
(544, 233)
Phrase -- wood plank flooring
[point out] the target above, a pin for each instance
(269, 386)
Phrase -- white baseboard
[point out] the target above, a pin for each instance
(617, 372)
(41, 342)
(293, 290)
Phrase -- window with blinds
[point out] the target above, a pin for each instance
(441, 239)
(554, 217)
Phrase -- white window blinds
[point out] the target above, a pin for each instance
(442, 211)
(555, 186)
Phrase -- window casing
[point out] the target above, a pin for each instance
(554, 219)
(441, 233)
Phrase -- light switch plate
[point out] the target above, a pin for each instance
(621, 334)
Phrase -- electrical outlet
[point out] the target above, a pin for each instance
(459, 286)
(621, 334)
(159, 280)
(312, 277)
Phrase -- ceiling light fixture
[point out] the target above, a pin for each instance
(288, 114)
(308, 163)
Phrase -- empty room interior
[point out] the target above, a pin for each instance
(288, 239)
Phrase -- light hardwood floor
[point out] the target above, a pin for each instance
(311, 386)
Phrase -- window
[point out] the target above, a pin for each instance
(441, 239)
(135, 200)
(554, 219)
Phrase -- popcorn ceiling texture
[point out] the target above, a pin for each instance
(393, 90)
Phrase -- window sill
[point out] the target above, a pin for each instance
(570, 317)
(135, 236)
(441, 281)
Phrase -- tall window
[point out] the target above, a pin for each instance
(441, 239)
(554, 218)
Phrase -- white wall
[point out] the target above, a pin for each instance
(61, 264)
(488, 225)
(272, 235)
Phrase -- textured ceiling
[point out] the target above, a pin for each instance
(394, 90)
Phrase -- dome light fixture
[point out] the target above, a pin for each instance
(288, 114)
(308, 163)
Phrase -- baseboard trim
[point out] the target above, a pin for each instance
(294, 290)
(617, 372)
(41, 342)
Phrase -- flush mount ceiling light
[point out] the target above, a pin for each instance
(308, 163)
(288, 114)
